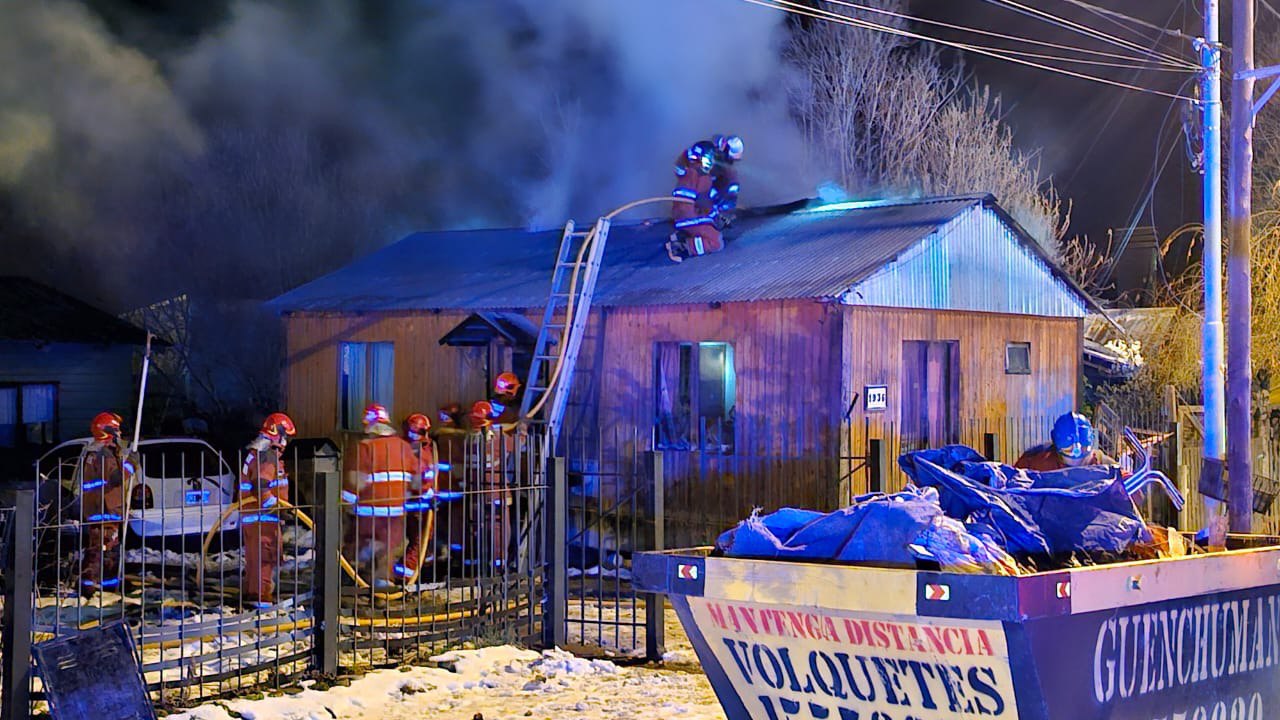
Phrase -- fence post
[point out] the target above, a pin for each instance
(15, 666)
(991, 446)
(876, 464)
(328, 578)
(654, 604)
(555, 612)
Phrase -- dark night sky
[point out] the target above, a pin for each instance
(1099, 142)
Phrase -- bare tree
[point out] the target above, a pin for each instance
(885, 115)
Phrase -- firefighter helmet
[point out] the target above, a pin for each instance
(105, 427)
(449, 414)
(481, 414)
(376, 414)
(1073, 436)
(506, 384)
(701, 155)
(416, 425)
(277, 428)
(730, 146)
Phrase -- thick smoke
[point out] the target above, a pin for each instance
(284, 139)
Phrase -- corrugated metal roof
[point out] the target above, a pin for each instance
(31, 311)
(975, 263)
(1148, 325)
(772, 254)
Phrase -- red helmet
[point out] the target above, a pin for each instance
(375, 414)
(105, 427)
(277, 428)
(449, 414)
(506, 384)
(417, 424)
(481, 414)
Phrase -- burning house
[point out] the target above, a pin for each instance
(761, 371)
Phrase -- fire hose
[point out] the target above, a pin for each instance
(573, 286)
(310, 525)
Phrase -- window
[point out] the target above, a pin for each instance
(365, 376)
(696, 390)
(1017, 358)
(28, 414)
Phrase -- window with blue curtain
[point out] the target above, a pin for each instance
(39, 411)
(8, 416)
(28, 414)
(366, 375)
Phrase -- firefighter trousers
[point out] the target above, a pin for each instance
(419, 528)
(261, 535)
(375, 543)
(103, 526)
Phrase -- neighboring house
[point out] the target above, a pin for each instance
(1114, 343)
(817, 327)
(62, 361)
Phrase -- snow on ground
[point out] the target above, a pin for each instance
(494, 683)
(498, 683)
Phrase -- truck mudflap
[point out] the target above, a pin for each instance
(1194, 638)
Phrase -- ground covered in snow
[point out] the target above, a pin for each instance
(497, 683)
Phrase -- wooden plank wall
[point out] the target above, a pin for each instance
(1019, 408)
(427, 374)
(786, 417)
(90, 378)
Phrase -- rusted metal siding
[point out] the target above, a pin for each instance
(988, 398)
(973, 263)
(427, 375)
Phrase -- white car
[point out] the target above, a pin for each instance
(186, 486)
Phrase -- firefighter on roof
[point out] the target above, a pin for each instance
(376, 492)
(421, 502)
(705, 175)
(107, 474)
(263, 484)
(1072, 444)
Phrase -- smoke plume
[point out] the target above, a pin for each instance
(277, 141)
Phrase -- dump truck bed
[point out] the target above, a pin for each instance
(1189, 638)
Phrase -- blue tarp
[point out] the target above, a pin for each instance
(1029, 514)
(1076, 510)
(875, 530)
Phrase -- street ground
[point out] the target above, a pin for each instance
(497, 683)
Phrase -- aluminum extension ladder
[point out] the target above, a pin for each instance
(561, 333)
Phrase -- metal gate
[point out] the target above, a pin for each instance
(605, 505)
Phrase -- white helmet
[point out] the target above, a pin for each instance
(730, 145)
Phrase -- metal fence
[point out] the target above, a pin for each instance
(609, 497)
(187, 574)
(520, 548)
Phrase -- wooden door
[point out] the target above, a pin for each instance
(930, 393)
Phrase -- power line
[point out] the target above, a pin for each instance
(798, 9)
(1105, 12)
(1120, 101)
(1271, 8)
(1143, 202)
(1005, 36)
(1085, 30)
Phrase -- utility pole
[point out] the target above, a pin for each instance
(1211, 478)
(1239, 273)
